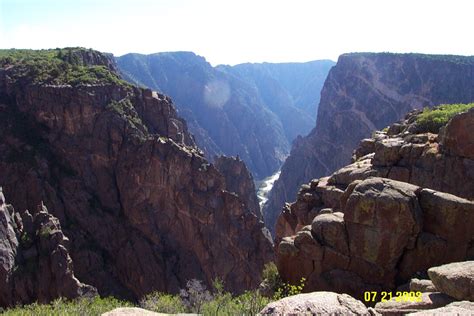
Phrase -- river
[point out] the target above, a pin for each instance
(264, 186)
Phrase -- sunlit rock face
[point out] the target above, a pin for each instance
(362, 93)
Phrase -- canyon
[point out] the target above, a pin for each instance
(104, 189)
(253, 111)
(362, 93)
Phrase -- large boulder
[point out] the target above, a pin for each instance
(317, 303)
(402, 305)
(463, 308)
(131, 311)
(450, 218)
(455, 279)
(383, 218)
(330, 230)
(457, 137)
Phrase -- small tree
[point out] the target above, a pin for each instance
(195, 295)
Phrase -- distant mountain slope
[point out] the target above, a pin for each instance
(303, 82)
(246, 110)
(225, 114)
(362, 93)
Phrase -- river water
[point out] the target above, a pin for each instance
(264, 186)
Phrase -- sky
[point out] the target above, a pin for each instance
(232, 32)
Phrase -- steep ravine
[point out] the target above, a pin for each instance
(363, 92)
(253, 111)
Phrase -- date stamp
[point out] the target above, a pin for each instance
(373, 296)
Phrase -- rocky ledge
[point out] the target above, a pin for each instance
(403, 206)
(449, 292)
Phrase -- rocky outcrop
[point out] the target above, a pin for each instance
(448, 282)
(144, 210)
(362, 93)
(239, 180)
(317, 303)
(456, 138)
(455, 309)
(455, 279)
(404, 305)
(226, 114)
(363, 228)
(424, 159)
(35, 261)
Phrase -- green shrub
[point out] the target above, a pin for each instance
(271, 278)
(195, 298)
(56, 66)
(223, 303)
(249, 303)
(273, 285)
(60, 307)
(163, 303)
(431, 120)
(289, 290)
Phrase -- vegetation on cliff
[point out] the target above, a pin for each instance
(195, 298)
(431, 120)
(85, 306)
(73, 66)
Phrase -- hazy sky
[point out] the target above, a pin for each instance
(230, 32)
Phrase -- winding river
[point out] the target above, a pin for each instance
(264, 186)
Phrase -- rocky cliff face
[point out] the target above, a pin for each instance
(226, 115)
(144, 210)
(290, 90)
(35, 265)
(362, 93)
(239, 180)
(374, 224)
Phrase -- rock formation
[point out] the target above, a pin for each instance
(317, 303)
(239, 180)
(35, 261)
(226, 114)
(362, 93)
(463, 308)
(375, 223)
(144, 210)
(448, 283)
(454, 279)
